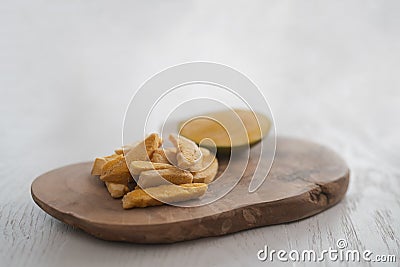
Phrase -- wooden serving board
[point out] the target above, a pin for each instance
(305, 179)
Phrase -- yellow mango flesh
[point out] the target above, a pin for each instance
(230, 128)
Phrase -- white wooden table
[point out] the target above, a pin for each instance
(69, 68)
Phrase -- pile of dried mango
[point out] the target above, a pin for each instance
(169, 175)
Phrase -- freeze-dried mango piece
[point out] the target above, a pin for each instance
(207, 175)
(115, 170)
(206, 159)
(164, 194)
(99, 163)
(117, 190)
(145, 149)
(173, 175)
(124, 149)
(167, 155)
(188, 153)
(139, 166)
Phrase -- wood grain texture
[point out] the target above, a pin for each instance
(305, 179)
(68, 70)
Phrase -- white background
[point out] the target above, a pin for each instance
(330, 70)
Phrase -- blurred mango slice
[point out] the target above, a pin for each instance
(227, 129)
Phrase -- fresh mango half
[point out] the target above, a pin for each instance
(227, 129)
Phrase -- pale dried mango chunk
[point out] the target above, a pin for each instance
(188, 153)
(117, 190)
(119, 151)
(115, 170)
(167, 155)
(99, 163)
(164, 194)
(139, 199)
(139, 166)
(145, 149)
(173, 175)
(124, 149)
(207, 175)
(206, 159)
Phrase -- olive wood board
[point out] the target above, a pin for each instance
(305, 179)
